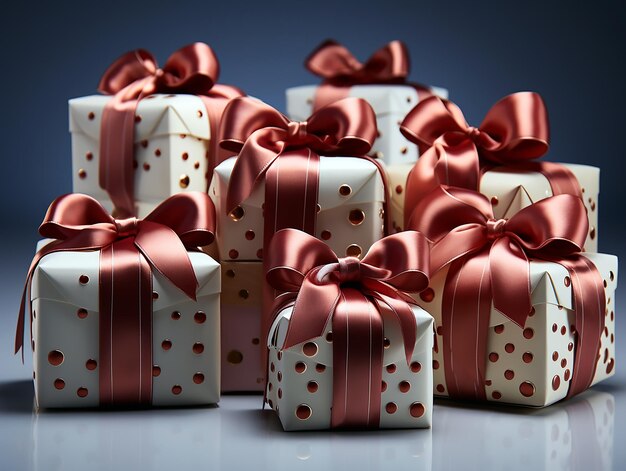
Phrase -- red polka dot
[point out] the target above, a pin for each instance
(198, 348)
(566, 375)
(509, 374)
(383, 386)
(272, 367)
(56, 357)
(82, 392)
(563, 362)
(309, 349)
(199, 317)
(391, 407)
(529, 333)
(166, 344)
(91, 364)
(493, 357)
(496, 395)
(556, 382)
(427, 295)
(610, 366)
(59, 384)
(509, 348)
(279, 376)
(83, 279)
(303, 412)
(82, 313)
(232, 253)
(563, 330)
(555, 356)
(320, 368)
(391, 368)
(312, 386)
(498, 329)
(554, 327)
(300, 367)
(435, 365)
(250, 235)
(198, 378)
(326, 235)
(280, 393)
(404, 386)
(570, 346)
(415, 367)
(417, 410)
(177, 389)
(440, 330)
(527, 389)
(440, 388)
(156, 371)
(527, 357)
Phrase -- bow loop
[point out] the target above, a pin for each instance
(131, 67)
(192, 69)
(334, 62)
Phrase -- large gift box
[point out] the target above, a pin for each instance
(279, 180)
(352, 350)
(522, 316)
(152, 133)
(381, 81)
(497, 158)
(122, 313)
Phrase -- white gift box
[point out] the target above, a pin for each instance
(350, 220)
(538, 359)
(511, 191)
(391, 103)
(65, 320)
(172, 140)
(299, 381)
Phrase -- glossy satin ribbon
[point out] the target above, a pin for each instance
(129, 250)
(352, 295)
(341, 70)
(488, 263)
(194, 69)
(514, 132)
(286, 155)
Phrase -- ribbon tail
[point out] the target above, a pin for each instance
(510, 280)
(357, 362)
(466, 309)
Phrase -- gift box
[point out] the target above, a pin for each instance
(391, 97)
(315, 373)
(241, 310)
(576, 434)
(350, 219)
(537, 315)
(396, 178)
(497, 158)
(122, 313)
(150, 137)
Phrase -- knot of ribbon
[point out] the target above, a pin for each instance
(79, 223)
(350, 296)
(489, 263)
(515, 131)
(393, 266)
(260, 134)
(341, 70)
(193, 69)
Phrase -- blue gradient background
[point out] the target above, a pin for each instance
(573, 53)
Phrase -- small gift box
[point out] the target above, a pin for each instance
(122, 312)
(352, 350)
(496, 158)
(279, 180)
(523, 317)
(154, 131)
(382, 81)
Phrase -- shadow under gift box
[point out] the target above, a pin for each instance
(577, 434)
(300, 378)
(532, 366)
(510, 191)
(172, 142)
(391, 103)
(66, 333)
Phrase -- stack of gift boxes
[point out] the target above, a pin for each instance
(349, 262)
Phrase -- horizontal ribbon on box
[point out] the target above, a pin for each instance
(341, 70)
(513, 133)
(351, 294)
(286, 155)
(193, 69)
(129, 250)
(488, 262)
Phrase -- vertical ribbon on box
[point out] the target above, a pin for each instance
(340, 70)
(488, 262)
(129, 250)
(194, 69)
(514, 132)
(351, 294)
(286, 154)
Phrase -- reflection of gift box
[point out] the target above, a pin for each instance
(391, 104)
(171, 143)
(350, 218)
(533, 365)
(242, 350)
(122, 313)
(349, 330)
(577, 434)
(512, 190)
(522, 315)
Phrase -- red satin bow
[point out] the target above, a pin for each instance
(461, 224)
(260, 134)
(488, 263)
(79, 223)
(193, 69)
(514, 131)
(341, 70)
(393, 265)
